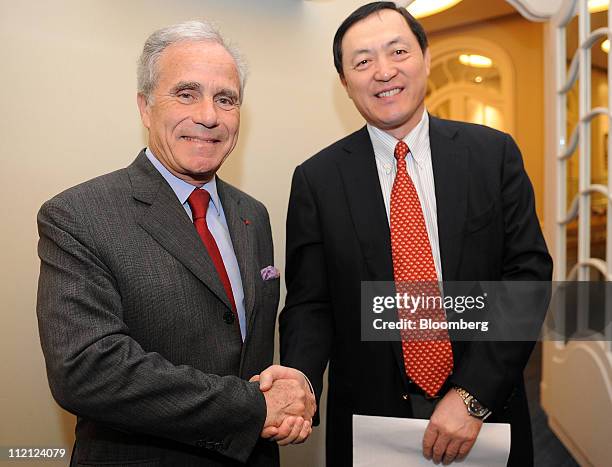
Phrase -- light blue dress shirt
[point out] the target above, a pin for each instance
(215, 218)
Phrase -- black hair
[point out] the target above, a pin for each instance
(362, 13)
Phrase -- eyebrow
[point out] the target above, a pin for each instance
(228, 92)
(195, 86)
(395, 41)
(391, 43)
(186, 86)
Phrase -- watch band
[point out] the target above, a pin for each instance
(474, 407)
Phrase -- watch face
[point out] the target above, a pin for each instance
(477, 409)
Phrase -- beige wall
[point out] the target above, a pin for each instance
(68, 99)
(523, 42)
(67, 93)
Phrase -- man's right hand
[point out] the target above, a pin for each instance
(290, 405)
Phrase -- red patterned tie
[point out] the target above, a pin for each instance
(198, 202)
(428, 356)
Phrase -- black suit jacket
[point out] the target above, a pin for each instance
(131, 317)
(338, 236)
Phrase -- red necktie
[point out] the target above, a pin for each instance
(428, 356)
(198, 202)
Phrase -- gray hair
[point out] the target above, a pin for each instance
(194, 31)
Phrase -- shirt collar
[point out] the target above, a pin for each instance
(384, 144)
(181, 188)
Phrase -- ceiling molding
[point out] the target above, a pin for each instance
(537, 10)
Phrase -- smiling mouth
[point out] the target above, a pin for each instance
(199, 140)
(389, 93)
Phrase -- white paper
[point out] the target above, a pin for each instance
(390, 442)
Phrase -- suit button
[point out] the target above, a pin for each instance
(228, 317)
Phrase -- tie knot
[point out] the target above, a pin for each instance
(198, 202)
(401, 149)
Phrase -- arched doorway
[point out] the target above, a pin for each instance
(478, 91)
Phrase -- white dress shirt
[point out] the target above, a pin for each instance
(420, 170)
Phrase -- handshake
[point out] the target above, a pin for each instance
(290, 404)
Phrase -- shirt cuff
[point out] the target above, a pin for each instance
(307, 380)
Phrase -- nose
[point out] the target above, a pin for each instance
(205, 113)
(385, 70)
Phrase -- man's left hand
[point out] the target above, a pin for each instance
(451, 431)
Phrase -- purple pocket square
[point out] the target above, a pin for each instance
(269, 273)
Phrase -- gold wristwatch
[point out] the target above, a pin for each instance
(474, 408)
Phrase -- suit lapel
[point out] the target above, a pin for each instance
(241, 234)
(451, 171)
(163, 217)
(364, 196)
(366, 205)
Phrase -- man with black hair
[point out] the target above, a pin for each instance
(415, 198)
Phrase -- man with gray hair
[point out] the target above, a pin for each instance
(157, 295)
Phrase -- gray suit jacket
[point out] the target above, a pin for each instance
(131, 318)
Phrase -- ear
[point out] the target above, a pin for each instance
(427, 59)
(144, 109)
(343, 80)
(345, 85)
